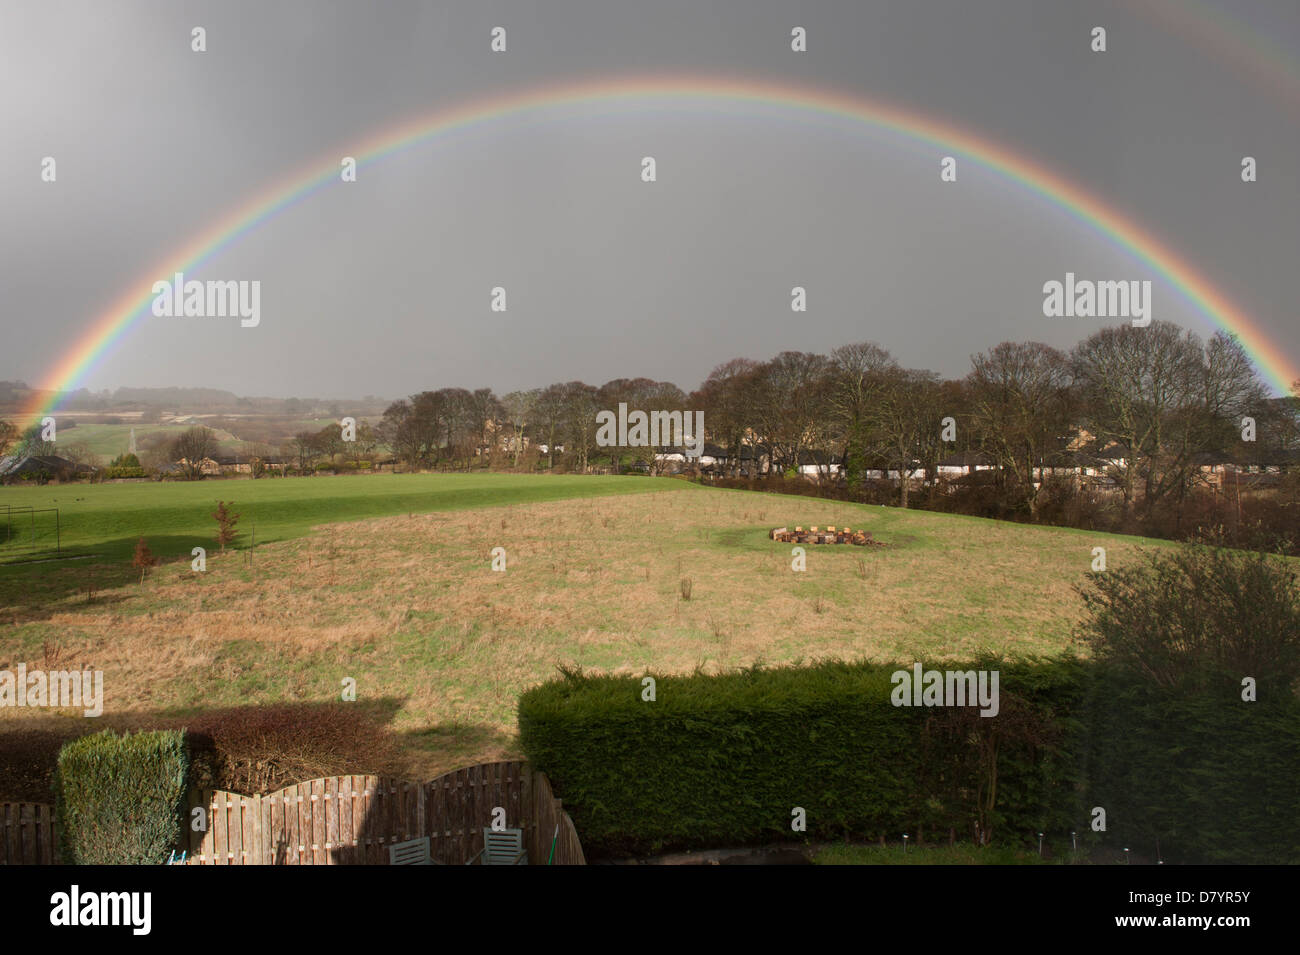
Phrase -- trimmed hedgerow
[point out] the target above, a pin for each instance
(1188, 773)
(1196, 776)
(723, 760)
(120, 799)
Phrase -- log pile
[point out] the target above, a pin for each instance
(828, 535)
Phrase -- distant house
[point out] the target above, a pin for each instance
(964, 463)
(207, 467)
(230, 464)
(818, 464)
(40, 466)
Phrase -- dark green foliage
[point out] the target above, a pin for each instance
(1181, 763)
(1197, 776)
(1200, 617)
(723, 760)
(120, 799)
(1192, 775)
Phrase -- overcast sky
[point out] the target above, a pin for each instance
(382, 286)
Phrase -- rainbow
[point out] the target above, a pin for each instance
(1251, 51)
(710, 92)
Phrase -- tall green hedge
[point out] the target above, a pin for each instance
(120, 800)
(1191, 773)
(723, 760)
(1196, 775)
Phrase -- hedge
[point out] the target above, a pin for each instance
(724, 760)
(1189, 775)
(1196, 776)
(120, 799)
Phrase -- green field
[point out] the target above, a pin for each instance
(387, 579)
(106, 519)
(110, 440)
(107, 441)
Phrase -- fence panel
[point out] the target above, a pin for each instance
(344, 820)
(27, 836)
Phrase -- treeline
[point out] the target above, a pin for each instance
(1160, 401)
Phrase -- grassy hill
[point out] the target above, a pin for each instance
(406, 602)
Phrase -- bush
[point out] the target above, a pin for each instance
(723, 760)
(1199, 615)
(120, 800)
(122, 472)
(256, 749)
(1182, 764)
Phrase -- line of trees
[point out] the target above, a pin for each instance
(1161, 397)
(1159, 394)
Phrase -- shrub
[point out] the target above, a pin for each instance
(226, 520)
(723, 760)
(143, 558)
(1183, 765)
(257, 749)
(1199, 614)
(122, 472)
(120, 799)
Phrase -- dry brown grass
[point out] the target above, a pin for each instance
(409, 607)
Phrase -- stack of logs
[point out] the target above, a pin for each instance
(830, 535)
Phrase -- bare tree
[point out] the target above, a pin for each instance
(1142, 388)
(366, 440)
(191, 447)
(328, 442)
(790, 405)
(580, 407)
(303, 446)
(906, 423)
(1020, 406)
(550, 411)
(859, 374)
(518, 408)
(728, 411)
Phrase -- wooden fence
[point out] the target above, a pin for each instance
(352, 820)
(26, 833)
(346, 820)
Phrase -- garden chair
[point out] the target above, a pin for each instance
(413, 852)
(502, 847)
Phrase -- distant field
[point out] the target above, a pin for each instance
(409, 606)
(110, 440)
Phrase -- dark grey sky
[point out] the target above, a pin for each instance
(382, 286)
